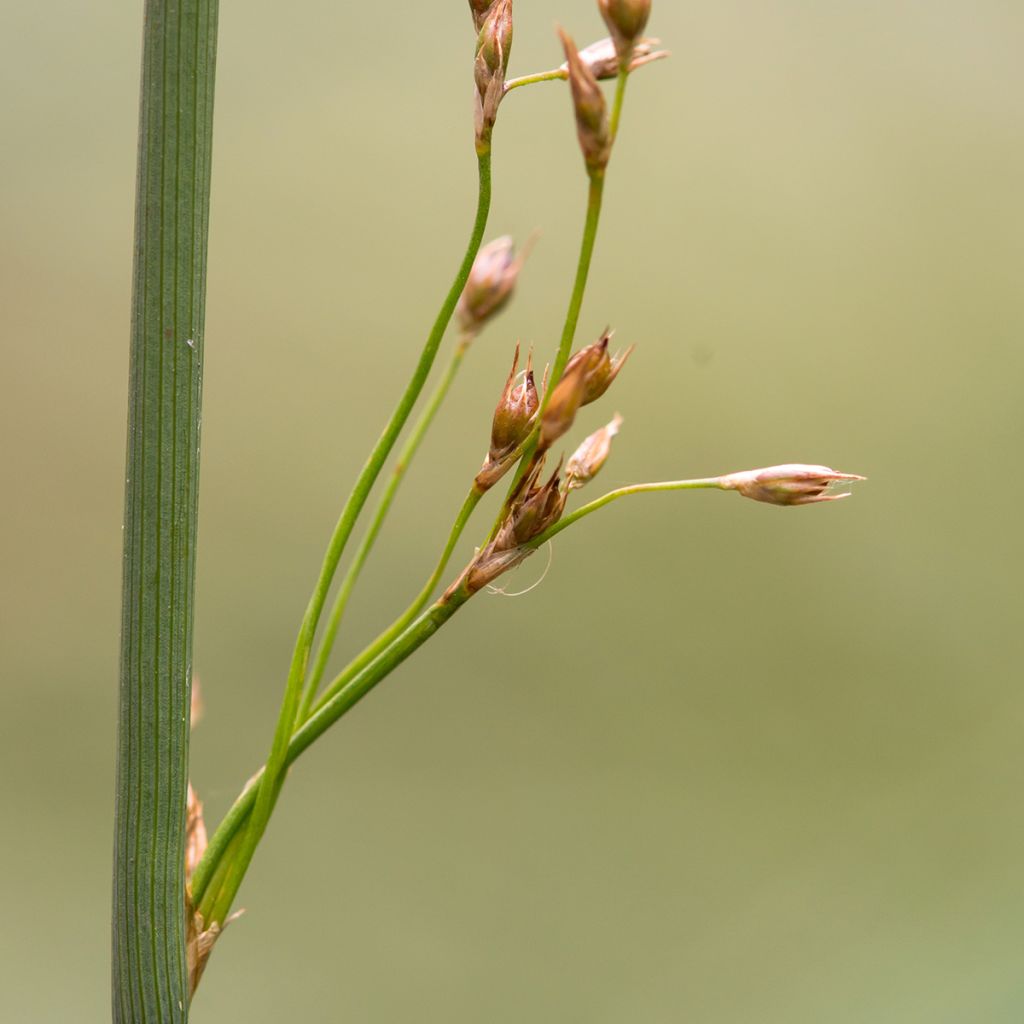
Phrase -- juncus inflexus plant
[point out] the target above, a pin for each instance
(529, 423)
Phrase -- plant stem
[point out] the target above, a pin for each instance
(622, 492)
(595, 195)
(405, 457)
(149, 977)
(620, 95)
(418, 604)
(213, 904)
(558, 74)
(269, 786)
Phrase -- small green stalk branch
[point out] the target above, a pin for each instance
(556, 75)
(149, 975)
(405, 457)
(270, 786)
(208, 899)
(623, 492)
(418, 604)
(620, 94)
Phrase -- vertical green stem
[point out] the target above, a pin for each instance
(405, 456)
(149, 979)
(269, 787)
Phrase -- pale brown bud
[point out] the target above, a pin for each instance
(626, 21)
(603, 59)
(585, 463)
(787, 485)
(591, 109)
(601, 369)
(490, 284)
(494, 44)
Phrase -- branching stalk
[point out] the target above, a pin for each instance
(269, 787)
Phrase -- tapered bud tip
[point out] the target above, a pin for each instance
(490, 284)
(590, 107)
(513, 421)
(585, 463)
(603, 59)
(479, 9)
(795, 484)
(626, 21)
(601, 369)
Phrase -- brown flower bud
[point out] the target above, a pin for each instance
(787, 485)
(512, 423)
(490, 283)
(603, 59)
(591, 113)
(585, 463)
(626, 20)
(538, 508)
(601, 369)
(494, 44)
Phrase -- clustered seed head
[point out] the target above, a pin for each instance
(494, 44)
(603, 59)
(787, 485)
(490, 284)
(591, 109)
(536, 507)
(626, 21)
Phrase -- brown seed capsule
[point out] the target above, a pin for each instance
(512, 423)
(494, 44)
(602, 369)
(787, 485)
(585, 463)
(490, 284)
(603, 60)
(566, 398)
(626, 21)
(591, 109)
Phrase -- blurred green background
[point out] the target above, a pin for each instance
(729, 763)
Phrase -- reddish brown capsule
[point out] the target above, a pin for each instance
(591, 109)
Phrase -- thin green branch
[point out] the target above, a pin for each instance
(405, 457)
(622, 492)
(555, 75)
(358, 686)
(269, 787)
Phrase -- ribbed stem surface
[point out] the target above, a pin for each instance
(161, 501)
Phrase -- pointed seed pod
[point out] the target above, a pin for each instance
(787, 485)
(490, 284)
(494, 44)
(539, 508)
(585, 463)
(602, 369)
(626, 21)
(591, 109)
(513, 416)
